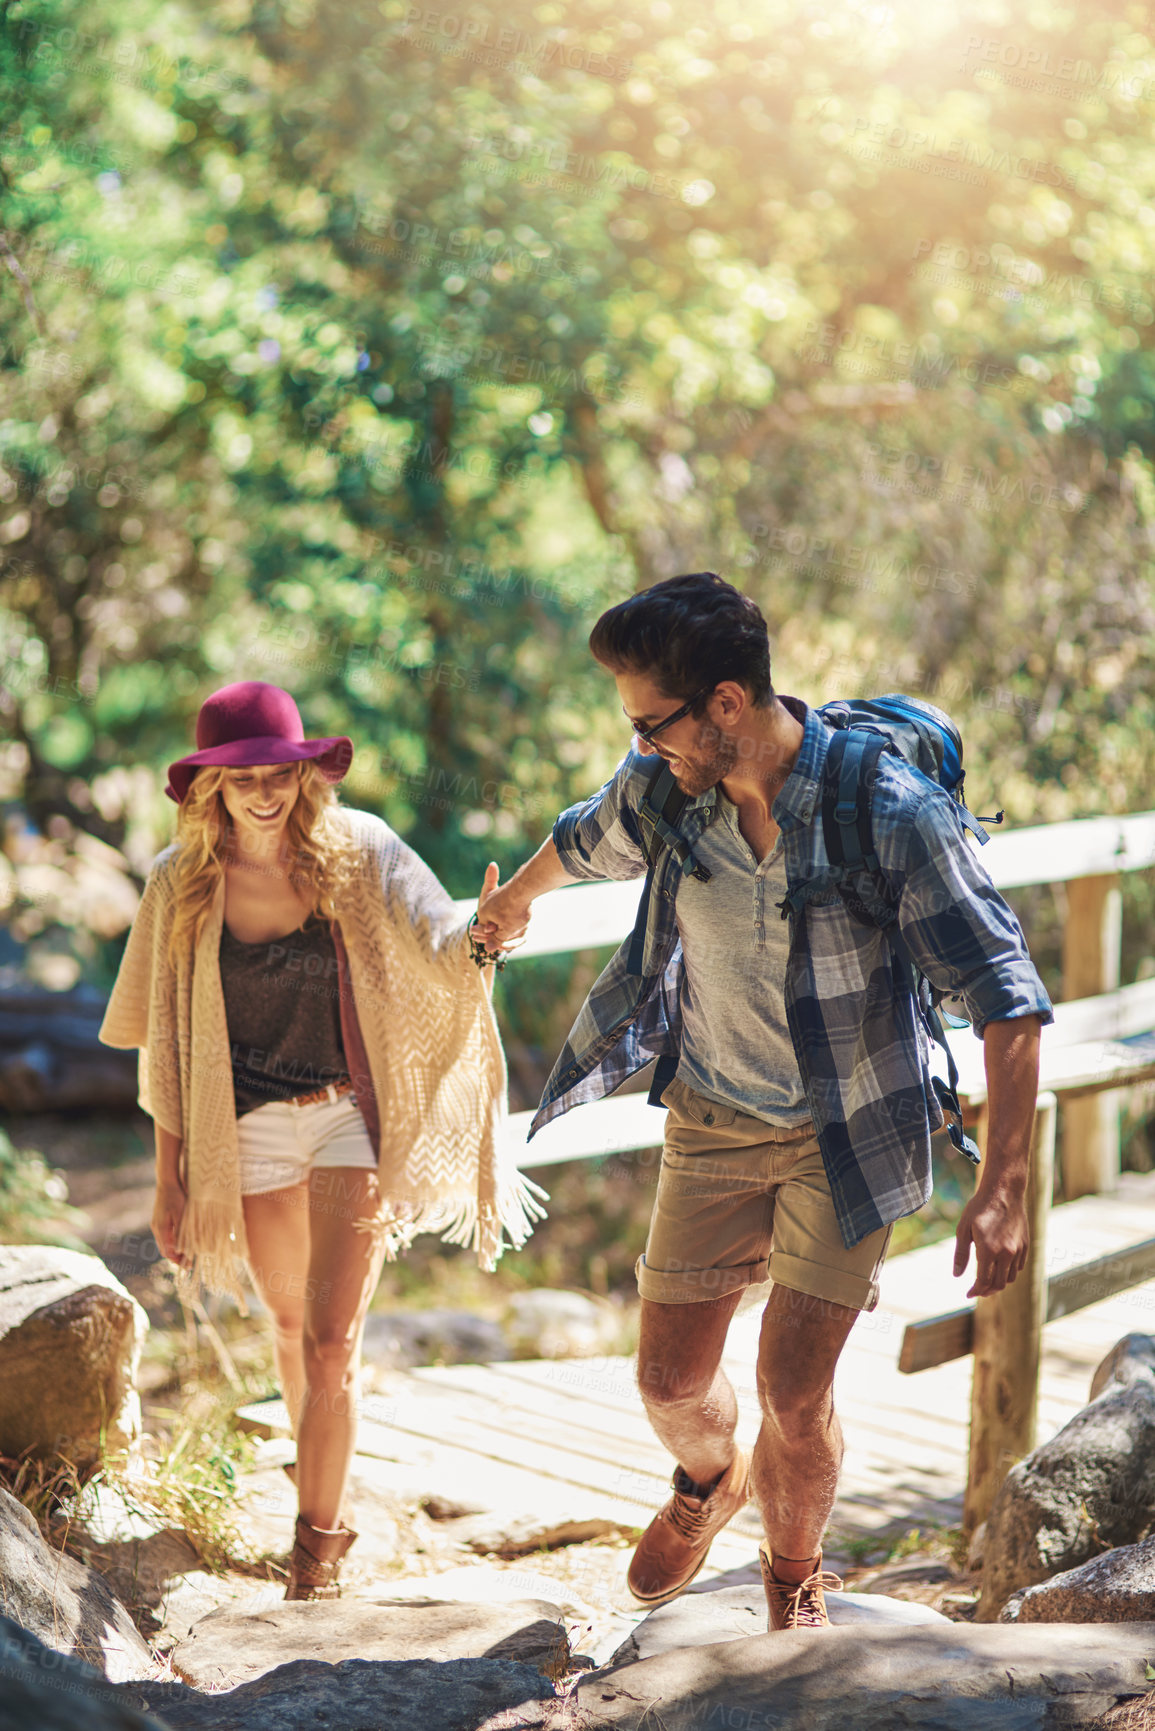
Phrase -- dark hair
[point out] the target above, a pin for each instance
(686, 633)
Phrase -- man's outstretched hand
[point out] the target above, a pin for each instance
(502, 912)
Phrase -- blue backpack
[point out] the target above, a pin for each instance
(928, 740)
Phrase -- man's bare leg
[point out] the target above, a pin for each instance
(687, 1395)
(798, 1453)
(691, 1406)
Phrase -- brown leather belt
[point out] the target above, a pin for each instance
(332, 1091)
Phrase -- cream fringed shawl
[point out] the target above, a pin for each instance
(428, 1032)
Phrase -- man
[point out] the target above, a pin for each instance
(800, 1110)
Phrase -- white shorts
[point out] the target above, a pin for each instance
(280, 1144)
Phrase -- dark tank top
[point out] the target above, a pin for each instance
(284, 1015)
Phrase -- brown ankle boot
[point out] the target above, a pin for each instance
(316, 1561)
(797, 1604)
(674, 1546)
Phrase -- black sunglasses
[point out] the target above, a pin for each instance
(646, 734)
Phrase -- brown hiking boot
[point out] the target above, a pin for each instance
(798, 1605)
(675, 1544)
(316, 1561)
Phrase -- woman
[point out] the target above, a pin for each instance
(321, 1061)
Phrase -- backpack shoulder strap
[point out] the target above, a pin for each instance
(846, 821)
(661, 806)
(659, 809)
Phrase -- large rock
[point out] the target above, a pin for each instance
(734, 1613)
(550, 1323)
(1131, 1357)
(367, 1695)
(402, 1339)
(944, 1677)
(1118, 1587)
(65, 1604)
(236, 1645)
(135, 1547)
(43, 1691)
(70, 1339)
(1090, 1487)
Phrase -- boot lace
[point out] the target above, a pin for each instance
(690, 1522)
(802, 1605)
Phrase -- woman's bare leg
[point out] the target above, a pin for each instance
(344, 1267)
(277, 1226)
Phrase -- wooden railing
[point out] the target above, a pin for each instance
(1087, 855)
(1103, 1038)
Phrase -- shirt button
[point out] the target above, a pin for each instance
(708, 1118)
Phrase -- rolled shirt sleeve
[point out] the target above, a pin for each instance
(956, 925)
(599, 837)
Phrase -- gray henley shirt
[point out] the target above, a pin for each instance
(736, 1046)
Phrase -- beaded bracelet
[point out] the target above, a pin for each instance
(483, 957)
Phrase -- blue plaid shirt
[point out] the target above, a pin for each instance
(859, 1038)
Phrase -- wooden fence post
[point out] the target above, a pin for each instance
(1091, 949)
(1008, 1340)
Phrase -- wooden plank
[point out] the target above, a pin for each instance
(1103, 1278)
(1071, 1071)
(619, 1125)
(941, 1338)
(1089, 1036)
(580, 916)
(598, 1391)
(884, 1483)
(486, 1399)
(1108, 1015)
(1058, 852)
(626, 1123)
(1008, 1330)
(556, 1449)
(1038, 854)
(937, 1340)
(1092, 937)
(537, 1411)
(1109, 1064)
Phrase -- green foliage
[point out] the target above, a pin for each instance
(34, 1207)
(896, 1543)
(193, 1487)
(374, 353)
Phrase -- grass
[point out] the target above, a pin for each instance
(187, 1481)
(183, 1472)
(194, 1485)
(879, 1549)
(42, 1486)
(34, 1206)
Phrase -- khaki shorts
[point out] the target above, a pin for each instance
(740, 1200)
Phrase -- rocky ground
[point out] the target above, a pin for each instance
(464, 1613)
(442, 1544)
(196, 1367)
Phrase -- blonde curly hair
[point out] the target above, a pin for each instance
(315, 854)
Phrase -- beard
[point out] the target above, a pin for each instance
(713, 757)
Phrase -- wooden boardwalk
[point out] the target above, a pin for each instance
(570, 1438)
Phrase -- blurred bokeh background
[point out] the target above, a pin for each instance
(373, 349)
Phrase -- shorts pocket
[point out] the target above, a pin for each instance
(706, 1112)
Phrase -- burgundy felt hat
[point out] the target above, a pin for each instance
(252, 723)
